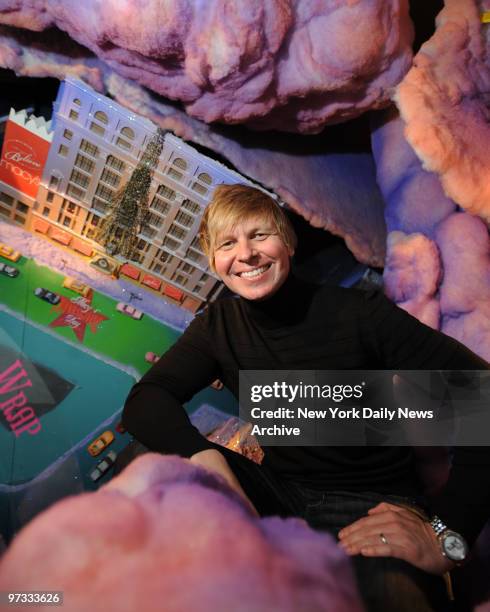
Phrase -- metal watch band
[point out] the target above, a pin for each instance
(437, 525)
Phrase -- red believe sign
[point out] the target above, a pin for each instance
(23, 157)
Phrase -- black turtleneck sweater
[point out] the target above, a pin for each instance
(306, 327)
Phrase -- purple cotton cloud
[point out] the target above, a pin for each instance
(291, 66)
(165, 532)
(444, 102)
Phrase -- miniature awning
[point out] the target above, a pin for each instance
(151, 281)
(130, 271)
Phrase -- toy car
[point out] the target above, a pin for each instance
(103, 466)
(9, 253)
(47, 296)
(75, 285)
(9, 270)
(98, 445)
(129, 310)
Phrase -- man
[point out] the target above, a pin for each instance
(364, 495)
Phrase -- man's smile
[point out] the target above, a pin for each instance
(253, 273)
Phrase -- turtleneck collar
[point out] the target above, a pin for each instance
(287, 306)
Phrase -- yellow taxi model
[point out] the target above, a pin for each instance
(75, 285)
(9, 253)
(98, 445)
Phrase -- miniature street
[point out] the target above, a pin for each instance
(85, 342)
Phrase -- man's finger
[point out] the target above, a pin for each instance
(379, 519)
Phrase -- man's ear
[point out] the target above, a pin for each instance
(291, 251)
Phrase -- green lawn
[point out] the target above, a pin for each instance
(120, 337)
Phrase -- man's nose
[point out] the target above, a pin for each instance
(246, 250)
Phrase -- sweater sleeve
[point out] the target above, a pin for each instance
(154, 411)
(402, 342)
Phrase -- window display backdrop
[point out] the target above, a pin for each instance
(73, 340)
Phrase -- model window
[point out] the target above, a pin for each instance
(79, 179)
(186, 267)
(160, 206)
(205, 178)
(184, 219)
(22, 207)
(84, 163)
(177, 232)
(116, 164)
(195, 256)
(102, 117)
(166, 192)
(46, 211)
(191, 206)
(180, 279)
(175, 174)
(195, 244)
(104, 192)
(149, 232)
(89, 148)
(124, 144)
(97, 129)
(99, 205)
(77, 101)
(75, 192)
(50, 196)
(68, 134)
(171, 243)
(127, 132)
(178, 162)
(155, 220)
(73, 115)
(199, 188)
(6, 199)
(111, 178)
(202, 281)
(72, 207)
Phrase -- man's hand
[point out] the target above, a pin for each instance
(393, 531)
(214, 461)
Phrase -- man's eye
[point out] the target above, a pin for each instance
(260, 235)
(226, 245)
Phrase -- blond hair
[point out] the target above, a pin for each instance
(234, 203)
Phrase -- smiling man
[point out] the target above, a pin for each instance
(249, 245)
(363, 495)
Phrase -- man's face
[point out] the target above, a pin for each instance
(251, 259)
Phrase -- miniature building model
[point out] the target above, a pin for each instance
(96, 147)
(25, 148)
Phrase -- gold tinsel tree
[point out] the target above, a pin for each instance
(128, 209)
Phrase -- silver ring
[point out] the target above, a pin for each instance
(382, 537)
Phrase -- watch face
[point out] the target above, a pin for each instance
(454, 546)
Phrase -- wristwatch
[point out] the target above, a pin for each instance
(453, 545)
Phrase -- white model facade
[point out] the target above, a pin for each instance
(96, 146)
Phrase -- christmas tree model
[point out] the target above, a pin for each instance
(128, 209)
